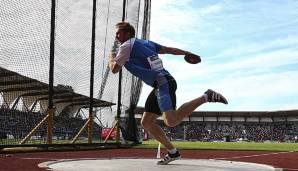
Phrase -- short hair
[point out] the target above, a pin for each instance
(126, 27)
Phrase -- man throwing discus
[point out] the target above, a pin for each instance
(140, 57)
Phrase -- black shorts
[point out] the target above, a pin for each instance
(163, 97)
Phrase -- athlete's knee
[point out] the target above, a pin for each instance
(147, 121)
(170, 122)
(170, 118)
(144, 123)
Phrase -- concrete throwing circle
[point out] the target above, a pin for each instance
(132, 164)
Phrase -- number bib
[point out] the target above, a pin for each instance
(155, 62)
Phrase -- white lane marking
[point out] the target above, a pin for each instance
(38, 158)
(255, 155)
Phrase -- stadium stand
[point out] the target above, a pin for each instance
(15, 124)
(14, 87)
(32, 95)
(277, 126)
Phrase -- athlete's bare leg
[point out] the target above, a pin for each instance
(149, 123)
(173, 118)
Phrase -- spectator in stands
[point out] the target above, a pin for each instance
(3, 135)
(140, 57)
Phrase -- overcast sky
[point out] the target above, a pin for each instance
(249, 51)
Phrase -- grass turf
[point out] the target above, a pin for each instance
(264, 146)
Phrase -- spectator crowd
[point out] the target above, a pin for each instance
(15, 124)
(234, 131)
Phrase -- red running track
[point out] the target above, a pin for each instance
(29, 161)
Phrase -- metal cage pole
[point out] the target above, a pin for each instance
(51, 75)
(90, 125)
(120, 86)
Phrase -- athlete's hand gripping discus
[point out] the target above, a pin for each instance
(192, 58)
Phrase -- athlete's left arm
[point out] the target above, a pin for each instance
(114, 67)
(172, 50)
(119, 57)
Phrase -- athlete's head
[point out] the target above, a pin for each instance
(124, 31)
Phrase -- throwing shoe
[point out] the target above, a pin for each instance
(169, 158)
(213, 96)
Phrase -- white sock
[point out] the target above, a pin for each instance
(206, 97)
(173, 151)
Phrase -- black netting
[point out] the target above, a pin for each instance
(24, 66)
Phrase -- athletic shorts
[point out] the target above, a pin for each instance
(163, 97)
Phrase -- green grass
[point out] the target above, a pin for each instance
(266, 146)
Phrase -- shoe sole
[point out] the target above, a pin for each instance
(168, 161)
